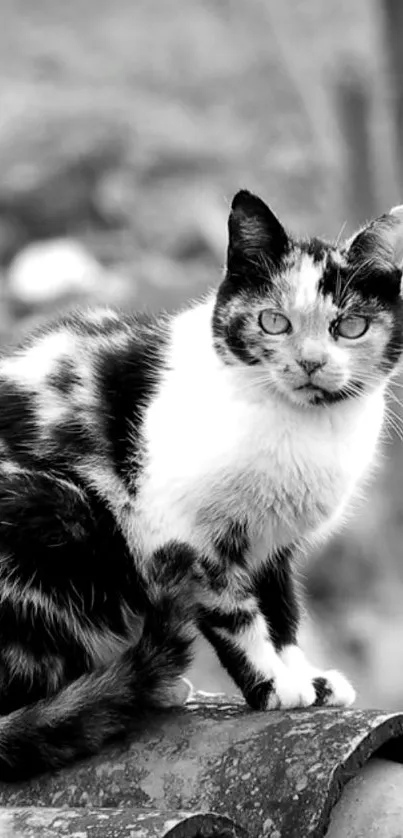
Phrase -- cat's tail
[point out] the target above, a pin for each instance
(103, 705)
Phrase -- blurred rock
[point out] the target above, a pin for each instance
(46, 272)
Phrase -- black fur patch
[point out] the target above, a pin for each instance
(238, 667)
(316, 249)
(18, 423)
(258, 695)
(101, 706)
(274, 588)
(233, 622)
(69, 442)
(65, 377)
(322, 690)
(233, 544)
(127, 377)
(394, 348)
(59, 542)
(234, 333)
(254, 230)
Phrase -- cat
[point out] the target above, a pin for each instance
(159, 476)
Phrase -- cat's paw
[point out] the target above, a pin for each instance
(331, 687)
(290, 692)
(333, 690)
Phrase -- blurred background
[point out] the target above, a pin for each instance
(125, 129)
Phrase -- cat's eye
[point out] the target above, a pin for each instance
(352, 326)
(274, 323)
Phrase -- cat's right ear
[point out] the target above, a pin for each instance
(253, 231)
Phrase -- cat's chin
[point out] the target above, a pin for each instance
(311, 396)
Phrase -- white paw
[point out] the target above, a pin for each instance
(290, 691)
(333, 689)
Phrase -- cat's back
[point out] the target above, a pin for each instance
(79, 383)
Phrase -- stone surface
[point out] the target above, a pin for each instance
(277, 775)
(371, 805)
(38, 822)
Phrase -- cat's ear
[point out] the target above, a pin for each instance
(253, 229)
(380, 243)
(397, 213)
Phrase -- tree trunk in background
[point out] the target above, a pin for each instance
(393, 16)
(353, 105)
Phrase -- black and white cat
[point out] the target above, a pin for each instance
(158, 476)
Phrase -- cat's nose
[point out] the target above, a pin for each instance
(311, 366)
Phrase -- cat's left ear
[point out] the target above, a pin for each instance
(397, 213)
(380, 243)
(253, 229)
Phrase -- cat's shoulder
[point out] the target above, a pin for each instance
(78, 379)
(57, 350)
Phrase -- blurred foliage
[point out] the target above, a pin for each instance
(128, 126)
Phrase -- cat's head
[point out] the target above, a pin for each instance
(318, 322)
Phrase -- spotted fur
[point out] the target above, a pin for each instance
(158, 475)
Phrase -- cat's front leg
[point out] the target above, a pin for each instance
(255, 638)
(242, 642)
(275, 591)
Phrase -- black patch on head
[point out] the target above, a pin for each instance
(65, 377)
(316, 249)
(232, 332)
(373, 284)
(394, 348)
(127, 377)
(333, 279)
(274, 588)
(257, 249)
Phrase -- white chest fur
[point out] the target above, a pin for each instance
(220, 448)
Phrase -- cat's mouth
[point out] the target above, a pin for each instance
(313, 393)
(309, 387)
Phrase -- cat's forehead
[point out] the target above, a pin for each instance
(314, 276)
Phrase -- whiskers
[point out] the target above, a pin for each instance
(338, 237)
(393, 418)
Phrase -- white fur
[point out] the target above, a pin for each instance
(309, 275)
(342, 695)
(30, 367)
(220, 447)
(289, 688)
(255, 642)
